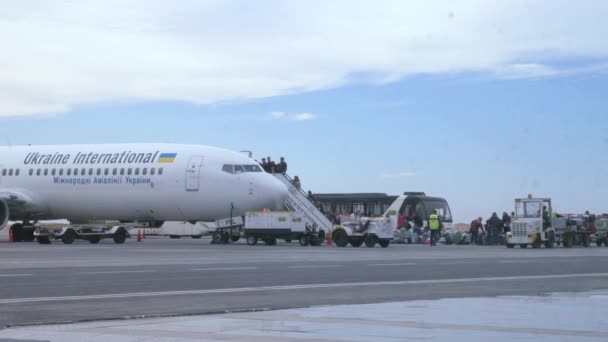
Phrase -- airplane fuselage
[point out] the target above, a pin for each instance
(154, 182)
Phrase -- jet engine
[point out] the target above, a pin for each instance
(3, 213)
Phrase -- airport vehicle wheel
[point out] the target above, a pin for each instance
(94, 239)
(43, 240)
(270, 241)
(304, 241)
(196, 236)
(599, 242)
(216, 238)
(174, 236)
(537, 242)
(523, 245)
(224, 238)
(384, 243)
(510, 245)
(235, 238)
(586, 241)
(340, 238)
(370, 240)
(550, 240)
(120, 236)
(315, 241)
(356, 242)
(252, 240)
(68, 237)
(287, 240)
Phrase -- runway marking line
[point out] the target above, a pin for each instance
(15, 275)
(223, 268)
(516, 261)
(296, 287)
(401, 264)
(313, 266)
(112, 272)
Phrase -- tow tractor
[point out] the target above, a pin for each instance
(532, 224)
(358, 231)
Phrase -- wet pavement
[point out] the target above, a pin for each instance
(556, 317)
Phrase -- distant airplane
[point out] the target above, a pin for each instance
(143, 182)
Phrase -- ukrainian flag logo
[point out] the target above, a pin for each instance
(167, 157)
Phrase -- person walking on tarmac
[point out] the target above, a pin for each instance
(475, 228)
(435, 227)
(506, 222)
(494, 228)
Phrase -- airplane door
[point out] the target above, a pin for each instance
(193, 173)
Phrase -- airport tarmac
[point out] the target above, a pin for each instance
(512, 318)
(57, 283)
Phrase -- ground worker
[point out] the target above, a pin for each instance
(475, 228)
(435, 227)
(494, 226)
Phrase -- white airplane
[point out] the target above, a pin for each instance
(143, 182)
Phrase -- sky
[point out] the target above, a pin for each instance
(477, 102)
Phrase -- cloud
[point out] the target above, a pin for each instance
(531, 70)
(61, 54)
(277, 115)
(399, 174)
(293, 117)
(303, 116)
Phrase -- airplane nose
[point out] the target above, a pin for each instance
(274, 193)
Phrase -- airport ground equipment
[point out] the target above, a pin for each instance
(286, 225)
(357, 231)
(532, 224)
(298, 202)
(180, 229)
(46, 233)
(601, 235)
(580, 230)
(418, 203)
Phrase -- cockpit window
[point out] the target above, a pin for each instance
(236, 169)
(239, 169)
(228, 168)
(252, 168)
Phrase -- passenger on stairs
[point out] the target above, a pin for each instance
(271, 165)
(264, 165)
(311, 197)
(296, 182)
(281, 167)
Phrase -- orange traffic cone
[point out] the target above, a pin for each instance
(139, 235)
(11, 239)
(329, 242)
(143, 235)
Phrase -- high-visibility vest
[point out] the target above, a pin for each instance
(434, 222)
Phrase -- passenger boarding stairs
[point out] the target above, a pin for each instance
(298, 202)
